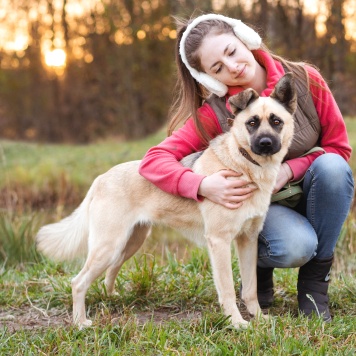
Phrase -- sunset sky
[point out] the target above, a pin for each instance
(14, 23)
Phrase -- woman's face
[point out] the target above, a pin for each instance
(227, 59)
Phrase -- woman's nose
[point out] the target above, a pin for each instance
(232, 66)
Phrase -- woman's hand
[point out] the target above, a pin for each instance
(284, 176)
(225, 188)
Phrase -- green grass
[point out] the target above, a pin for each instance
(166, 303)
(162, 308)
(43, 175)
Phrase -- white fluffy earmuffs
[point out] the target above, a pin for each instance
(250, 38)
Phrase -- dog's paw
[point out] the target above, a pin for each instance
(113, 293)
(259, 316)
(85, 324)
(241, 324)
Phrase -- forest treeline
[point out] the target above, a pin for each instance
(120, 73)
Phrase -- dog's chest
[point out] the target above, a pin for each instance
(258, 203)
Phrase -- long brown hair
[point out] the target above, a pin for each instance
(189, 94)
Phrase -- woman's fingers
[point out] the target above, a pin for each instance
(226, 188)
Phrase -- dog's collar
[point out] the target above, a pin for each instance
(248, 157)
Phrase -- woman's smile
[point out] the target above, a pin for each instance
(241, 72)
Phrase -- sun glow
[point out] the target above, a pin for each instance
(55, 58)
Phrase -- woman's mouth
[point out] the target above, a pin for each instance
(241, 72)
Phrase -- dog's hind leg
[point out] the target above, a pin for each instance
(99, 259)
(107, 238)
(137, 238)
(247, 254)
(105, 253)
(220, 255)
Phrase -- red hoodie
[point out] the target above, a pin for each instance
(161, 164)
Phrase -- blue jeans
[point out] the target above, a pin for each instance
(292, 237)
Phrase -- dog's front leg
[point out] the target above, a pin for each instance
(247, 251)
(220, 256)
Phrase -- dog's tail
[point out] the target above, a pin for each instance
(68, 238)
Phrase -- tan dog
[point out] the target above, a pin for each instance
(116, 215)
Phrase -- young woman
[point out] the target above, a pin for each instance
(218, 57)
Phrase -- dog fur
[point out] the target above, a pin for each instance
(116, 215)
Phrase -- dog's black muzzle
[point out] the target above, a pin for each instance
(266, 145)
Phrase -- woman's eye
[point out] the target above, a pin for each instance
(218, 70)
(232, 52)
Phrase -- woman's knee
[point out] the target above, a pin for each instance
(331, 167)
(287, 239)
(330, 181)
(302, 250)
(289, 258)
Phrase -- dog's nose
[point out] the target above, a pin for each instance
(265, 142)
(266, 145)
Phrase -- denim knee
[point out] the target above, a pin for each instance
(331, 167)
(301, 251)
(328, 189)
(287, 239)
(295, 251)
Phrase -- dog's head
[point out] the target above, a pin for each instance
(264, 125)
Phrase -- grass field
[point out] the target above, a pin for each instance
(166, 302)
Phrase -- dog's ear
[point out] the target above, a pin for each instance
(286, 93)
(241, 100)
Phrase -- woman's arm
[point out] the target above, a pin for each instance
(161, 163)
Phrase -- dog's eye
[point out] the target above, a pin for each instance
(275, 120)
(252, 122)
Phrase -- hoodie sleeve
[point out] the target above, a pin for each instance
(334, 138)
(161, 164)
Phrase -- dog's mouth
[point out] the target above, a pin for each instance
(266, 145)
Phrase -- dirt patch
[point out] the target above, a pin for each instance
(162, 316)
(32, 318)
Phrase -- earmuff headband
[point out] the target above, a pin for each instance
(244, 33)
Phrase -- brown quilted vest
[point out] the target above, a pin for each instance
(307, 127)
